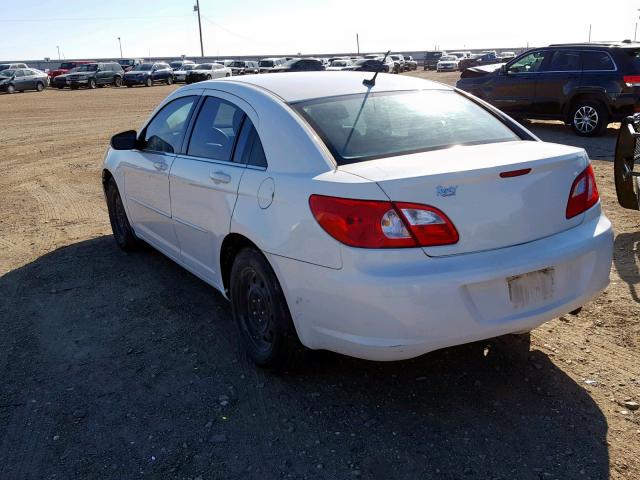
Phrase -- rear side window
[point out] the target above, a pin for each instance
(166, 131)
(358, 127)
(597, 61)
(564, 61)
(215, 131)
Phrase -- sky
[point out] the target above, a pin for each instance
(33, 29)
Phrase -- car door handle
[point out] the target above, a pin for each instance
(160, 166)
(220, 177)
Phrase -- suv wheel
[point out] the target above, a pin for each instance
(261, 311)
(117, 81)
(169, 80)
(589, 118)
(92, 83)
(148, 83)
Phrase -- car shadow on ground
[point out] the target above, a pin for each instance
(627, 264)
(119, 365)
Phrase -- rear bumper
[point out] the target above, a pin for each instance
(398, 304)
(625, 105)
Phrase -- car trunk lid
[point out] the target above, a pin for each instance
(490, 211)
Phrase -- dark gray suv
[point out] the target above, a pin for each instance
(586, 85)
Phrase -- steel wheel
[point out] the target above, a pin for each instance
(256, 315)
(586, 119)
(261, 312)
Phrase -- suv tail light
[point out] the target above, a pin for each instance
(632, 80)
(382, 224)
(584, 193)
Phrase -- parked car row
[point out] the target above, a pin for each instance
(442, 61)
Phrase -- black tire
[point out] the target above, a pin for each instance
(39, 86)
(148, 82)
(588, 118)
(122, 231)
(208, 77)
(228, 75)
(11, 89)
(627, 149)
(91, 83)
(117, 81)
(261, 312)
(169, 80)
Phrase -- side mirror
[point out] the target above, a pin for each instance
(125, 140)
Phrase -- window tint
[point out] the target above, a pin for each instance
(564, 61)
(597, 61)
(19, 73)
(527, 64)
(252, 151)
(359, 127)
(165, 132)
(215, 130)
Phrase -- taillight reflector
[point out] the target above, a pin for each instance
(382, 224)
(584, 193)
(632, 80)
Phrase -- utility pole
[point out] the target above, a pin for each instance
(58, 47)
(196, 8)
(589, 33)
(120, 42)
(358, 43)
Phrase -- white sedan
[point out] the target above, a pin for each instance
(338, 65)
(380, 222)
(448, 63)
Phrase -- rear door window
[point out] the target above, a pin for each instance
(564, 61)
(216, 129)
(597, 61)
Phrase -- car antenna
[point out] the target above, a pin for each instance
(370, 82)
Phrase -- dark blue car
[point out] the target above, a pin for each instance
(149, 73)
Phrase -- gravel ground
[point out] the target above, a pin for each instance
(126, 366)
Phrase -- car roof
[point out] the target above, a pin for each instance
(625, 44)
(298, 86)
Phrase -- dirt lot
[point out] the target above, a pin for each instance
(126, 366)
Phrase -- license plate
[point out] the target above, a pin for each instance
(530, 289)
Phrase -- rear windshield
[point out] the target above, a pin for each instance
(433, 55)
(266, 63)
(363, 127)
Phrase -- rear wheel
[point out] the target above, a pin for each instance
(208, 77)
(261, 312)
(117, 81)
(589, 118)
(122, 231)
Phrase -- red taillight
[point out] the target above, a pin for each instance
(632, 80)
(584, 193)
(382, 224)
